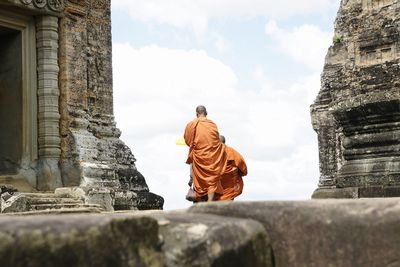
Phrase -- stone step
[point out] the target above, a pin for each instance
(49, 201)
(40, 195)
(94, 182)
(53, 200)
(58, 211)
(64, 206)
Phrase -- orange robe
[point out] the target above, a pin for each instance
(232, 181)
(206, 154)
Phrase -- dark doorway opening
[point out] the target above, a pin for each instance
(11, 109)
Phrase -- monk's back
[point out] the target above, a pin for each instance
(206, 154)
(207, 136)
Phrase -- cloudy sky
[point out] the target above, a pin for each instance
(255, 65)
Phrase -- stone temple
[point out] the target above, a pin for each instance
(357, 111)
(58, 134)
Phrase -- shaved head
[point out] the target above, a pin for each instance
(201, 110)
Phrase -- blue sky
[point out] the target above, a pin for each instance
(254, 64)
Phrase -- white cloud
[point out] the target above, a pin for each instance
(161, 84)
(271, 27)
(221, 44)
(291, 177)
(196, 14)
(306, 44)
(156, 91)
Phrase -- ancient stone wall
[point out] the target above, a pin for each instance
(357, 111)
(74, 141)
(93, 157)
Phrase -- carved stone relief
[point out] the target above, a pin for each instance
(40, 3)
(358, 125)
(377, 55)
(376, 4)
(54, 5)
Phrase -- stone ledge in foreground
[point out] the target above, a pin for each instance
(79, 240)
(315, 233)
(190, 240)
(137, 238)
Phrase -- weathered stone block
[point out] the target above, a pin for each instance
(315, 233)
(203, 240)
(101, 196)
(357, 111)
(350, 192)
(126, 200)
(79, 240)
(13, 203)
(70, 192)
(66, 117)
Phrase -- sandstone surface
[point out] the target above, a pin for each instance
(315, 233)
(59, 128)
(345, 233)
(357, 111)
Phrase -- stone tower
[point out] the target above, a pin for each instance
(357, 112)
(56, 104)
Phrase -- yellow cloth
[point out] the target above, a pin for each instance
(181, 142)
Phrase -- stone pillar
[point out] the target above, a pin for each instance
(49, 176)
(324, 125)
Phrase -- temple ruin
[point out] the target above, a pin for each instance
(58, 134)
(357, 111)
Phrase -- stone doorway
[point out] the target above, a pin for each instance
(10, 100)
(18, 101)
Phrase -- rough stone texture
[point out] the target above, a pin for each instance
(331, 233)
(201, 240)
(16, 202)
(93, 156)
(13, 203)
(78, 143)
(357, 111)
(101, 196)
(149, 201)
(174, 239)
(7, 188)
(345, 233)
(79, 240)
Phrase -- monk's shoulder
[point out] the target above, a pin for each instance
(230, 149)
(191, 124)
(229, 152)
(210, 121)
(210, 124)
(232, 152)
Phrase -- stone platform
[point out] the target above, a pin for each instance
(315, 233)
(357, 192)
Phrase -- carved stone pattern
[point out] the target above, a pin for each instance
(375, 4)
(54, 5)
(48, 91)
(357, 112)
(40, 3)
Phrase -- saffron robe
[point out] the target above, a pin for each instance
(207, 156)
(231, 180)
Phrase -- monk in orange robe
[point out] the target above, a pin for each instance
(231, 180)
(206, 155)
